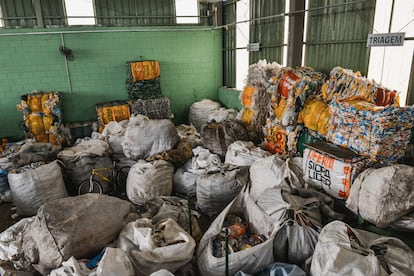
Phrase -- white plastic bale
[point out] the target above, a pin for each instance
(244, 153)
(147, 180)
(32, 188)
(249, 260)
(342, 250)
(222, 114)
(144, 138)
(272, 172)
(136, 239)
(217, 187)
(115, 261)
(381, 196)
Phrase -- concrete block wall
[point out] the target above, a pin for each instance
(190, 62)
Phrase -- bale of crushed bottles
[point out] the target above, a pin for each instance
(344, 85)
(382, 133)
(152, 108)
(143, 79)
(42, 115)
(112, 111)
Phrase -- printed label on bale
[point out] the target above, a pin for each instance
(333, 176)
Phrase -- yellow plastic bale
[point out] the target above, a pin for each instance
(315, 115)
(116, 113)
(247, 96)
(42, 138)
(247, 116)
(280, 108)
(35, 103)
(47, 121)
(145, 70)
(35, 123)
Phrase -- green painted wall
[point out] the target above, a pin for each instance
(190, 62)
(230, 97)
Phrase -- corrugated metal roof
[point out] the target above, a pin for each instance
(269, 32)
(337, 36)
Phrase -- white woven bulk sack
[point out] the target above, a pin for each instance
(71, 267)
(151, 247)
(204, 159)
(11, 244)
(342, 250)
(147, 180)
(218, 186)
(249, 260)
(185, 179)
(222, 114)
(113, 134)
(190, 133)
(244, 153)
(144, 137)
(115, 261)
(272, 172)
(79, 226)
(199, 112)
(32, 188)
(381, 196)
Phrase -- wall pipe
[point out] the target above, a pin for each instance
(66, 65)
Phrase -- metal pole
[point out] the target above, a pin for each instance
(66, 65)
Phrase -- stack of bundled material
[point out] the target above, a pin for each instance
(254, 98)
(152, 108)
(42, 116)
(289, 89)
(113, 111)
(315, 115)
(381, 133)
(143, 80)
(344, 84)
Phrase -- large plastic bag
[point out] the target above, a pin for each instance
(199, 112)
(115, 261)
(222, 114)
(272, 172)
(190, 133)
(204, 159)
(71, 267)
(342, 250)
(218, 136)
(276, 269)
(34, 152)
(74, 226)
(249, 260)
(333, 175)
(176, 208)
(218, 186)
(185, 179)
(244, 153)
(147, 180)
(33, 187)
(11, 244)
(144, 137)
(381, 196)
(151, 247)
(113, 133)
(80, 159)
